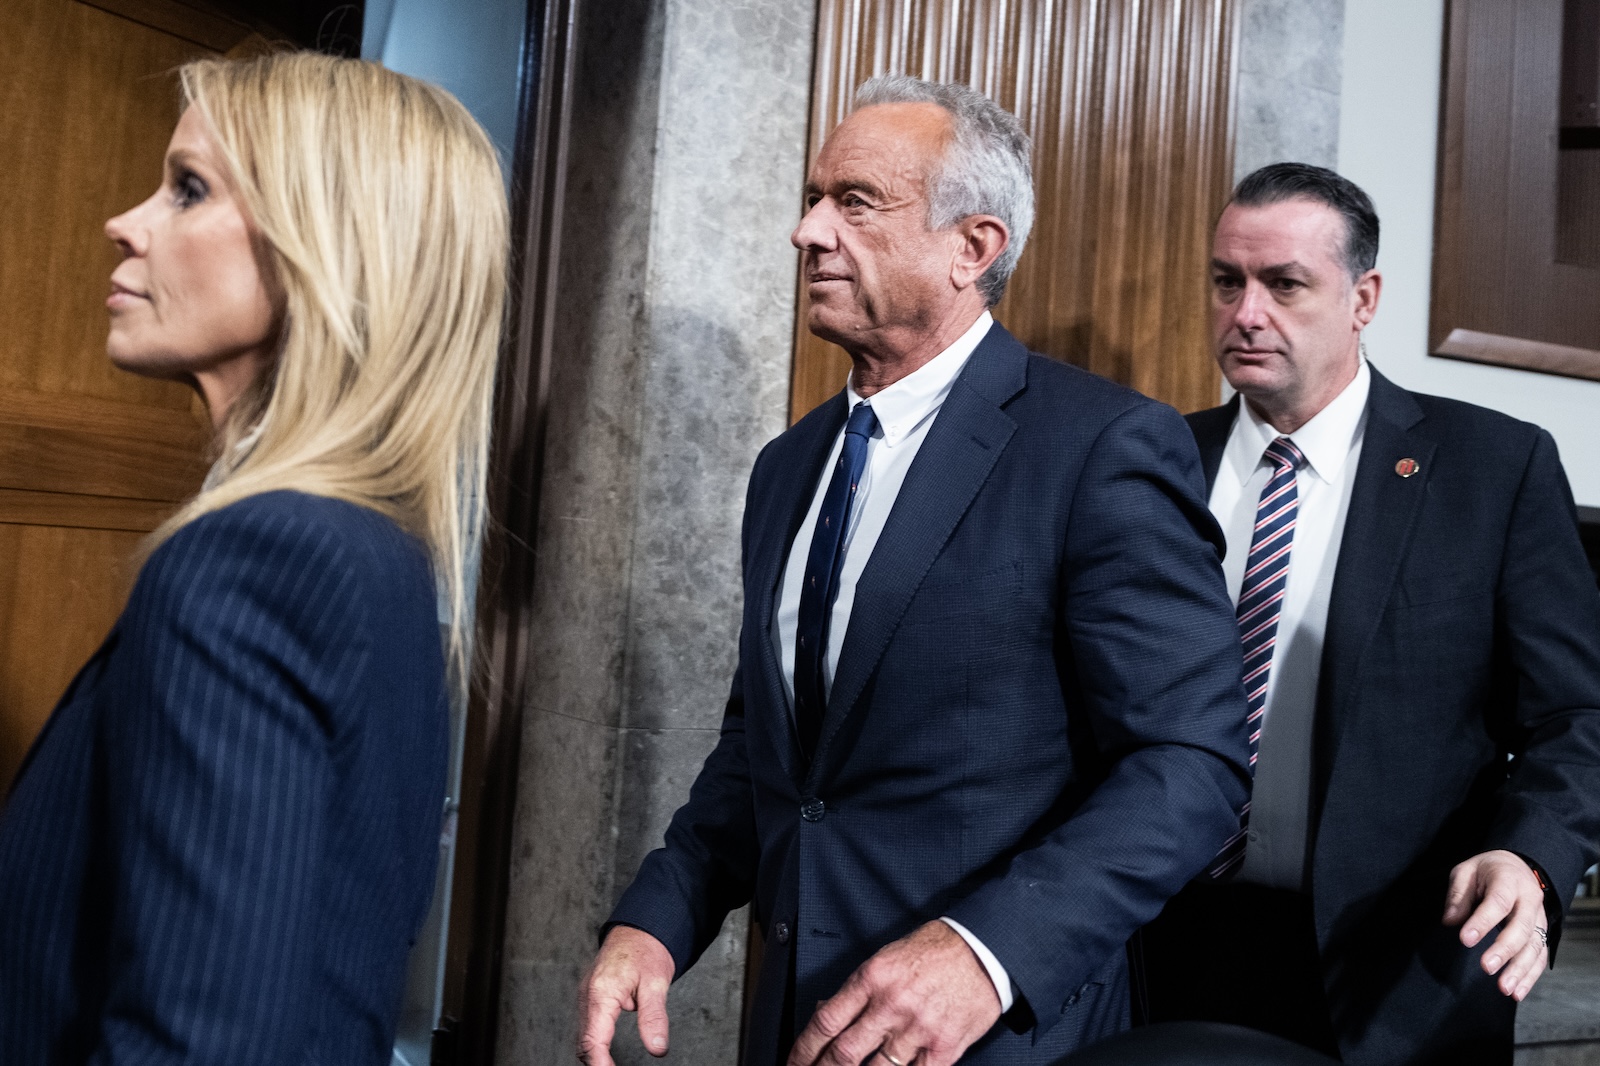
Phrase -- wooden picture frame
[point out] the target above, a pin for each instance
(1508, 288)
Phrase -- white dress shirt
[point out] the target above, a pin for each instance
(1275, 850)
(906, 411)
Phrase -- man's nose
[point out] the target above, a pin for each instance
(815, 232)
(1250, 313)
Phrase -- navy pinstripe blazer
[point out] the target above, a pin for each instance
(1036, 726)
(224, 840)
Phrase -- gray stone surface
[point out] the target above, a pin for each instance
(671, 370)
(1564, 1007)
(1291, 55)
(1578, 1054)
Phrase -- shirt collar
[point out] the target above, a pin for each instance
(1325, 441)
(901, 407)
(242, 447)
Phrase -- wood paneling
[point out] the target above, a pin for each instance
(203, 28)
(1560, 359)
(1128, 103)
(70, 583)
(76, 511)
(1497, 273)
(64, 460)
(91, 458)
(1578, 206)
(129, 421)
(87, 103)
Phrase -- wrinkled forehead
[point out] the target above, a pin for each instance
(892, 144)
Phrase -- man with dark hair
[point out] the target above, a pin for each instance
(987, 716)
(1421, 638)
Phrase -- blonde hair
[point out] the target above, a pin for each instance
(381, 216)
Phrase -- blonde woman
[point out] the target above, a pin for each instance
(223, 842)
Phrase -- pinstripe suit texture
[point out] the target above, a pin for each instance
(224, 839)
(1036, 726)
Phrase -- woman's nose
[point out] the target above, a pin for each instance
(127, 232)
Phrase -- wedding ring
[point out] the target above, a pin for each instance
(1544, 937)
(883, 1052)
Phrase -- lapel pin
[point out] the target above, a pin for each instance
(1407, 467)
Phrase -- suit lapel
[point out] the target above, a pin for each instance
(770, 554)
(1211, 429)
(1377, 535)
(966, 440)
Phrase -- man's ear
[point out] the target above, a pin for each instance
(1367, 291)
(983, 239)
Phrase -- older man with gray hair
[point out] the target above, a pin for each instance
(987, 716)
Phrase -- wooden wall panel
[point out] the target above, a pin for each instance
(91, 458)
(1501, 293)
(1129, 105)
(70, 582)
(87, 103)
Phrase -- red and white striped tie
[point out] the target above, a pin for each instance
(1266, 576)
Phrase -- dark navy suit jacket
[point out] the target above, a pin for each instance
(1036, 725)
(224, 840)
(1458, 712)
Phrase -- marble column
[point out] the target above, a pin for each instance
(671, 370)
(1291, 56)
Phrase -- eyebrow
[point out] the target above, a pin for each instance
(1294, 266)
(181, 157)
(855, 184)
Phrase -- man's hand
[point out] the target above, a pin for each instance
(924, 999)
(1502, 888)
(632, 972)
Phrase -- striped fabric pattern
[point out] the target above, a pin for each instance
(224, 839)
(1266, 577)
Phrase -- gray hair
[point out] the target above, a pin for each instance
(987, 169)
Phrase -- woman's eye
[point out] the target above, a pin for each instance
(191, 190)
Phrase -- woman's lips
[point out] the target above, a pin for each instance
(122, 296)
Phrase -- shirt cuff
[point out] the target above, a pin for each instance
(997, 973)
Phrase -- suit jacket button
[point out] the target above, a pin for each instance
(781, 932)
(811, 810)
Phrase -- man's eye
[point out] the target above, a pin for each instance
(812, 200)
(850, 199)
(191, 190)
(1222, 281)
(1286, 285)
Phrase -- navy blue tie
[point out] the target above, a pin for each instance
(821, 586)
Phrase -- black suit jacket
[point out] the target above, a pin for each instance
(1458, 711)
(224, 839)
(1035, 727)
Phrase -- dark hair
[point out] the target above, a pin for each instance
(1278, 182)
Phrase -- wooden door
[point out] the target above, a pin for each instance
(1129, 106)
(91, 458)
